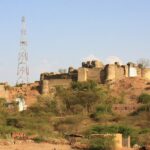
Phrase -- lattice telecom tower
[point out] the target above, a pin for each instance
(23, 70)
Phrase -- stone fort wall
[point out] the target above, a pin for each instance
(93, 70)
(112, 72)
(146, 73)
(48, 81)
(47, 86)
(90, 70)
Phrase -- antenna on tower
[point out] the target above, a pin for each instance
(23, 69)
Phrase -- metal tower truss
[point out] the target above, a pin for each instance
(23, 69)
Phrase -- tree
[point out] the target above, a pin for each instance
(143, 62)
(144, 98)
(82, 95)
(2, 104)
(84, 86)
(87, 99)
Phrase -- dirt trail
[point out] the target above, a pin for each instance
(35, 146)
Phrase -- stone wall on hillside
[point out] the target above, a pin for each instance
(49, 81)
(95, 71)
(91, 70)
(48, 86)
(146, 73)
(124, 108)
(110, 72)
(116, 72)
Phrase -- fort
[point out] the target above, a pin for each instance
(92, 70)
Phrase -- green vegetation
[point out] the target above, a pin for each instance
(44, 106)
(39, 139)
(125, 131)
(85, 108)
(144, 98)
(106, 143)
(143, 108)
(103, 112)
(80, 98)
(80, 86)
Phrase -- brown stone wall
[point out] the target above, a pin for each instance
(146, 73)
(126, 142)
(82, 74)
(58, 82)
(45, 87)
(116, 72)
(110, 72)
(126, 70)
(49, 76)
(48, 85)
(119, 72)
(124, 108)
(139, 72)
(93, 70)
(94, 74)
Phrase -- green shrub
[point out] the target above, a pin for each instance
(103, 108)
(144, 98)
(6, 130)
(44, 105)
(143, 108)
(14, 122)
(77, 109)
(125, 131)
(39, 139)
(103, 112)
(81, 86)
(143, 131)
(2, 104)
(106, 143)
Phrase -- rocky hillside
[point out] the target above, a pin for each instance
(130, 88)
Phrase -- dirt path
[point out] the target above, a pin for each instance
(35, 146)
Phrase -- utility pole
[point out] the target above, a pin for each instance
(23, 69)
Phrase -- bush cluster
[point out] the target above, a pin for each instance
(144, 98)
(112, 129)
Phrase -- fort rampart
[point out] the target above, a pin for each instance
(90, 70)
(93, 70)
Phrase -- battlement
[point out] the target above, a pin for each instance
(92, 64)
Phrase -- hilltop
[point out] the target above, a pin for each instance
(79, 103)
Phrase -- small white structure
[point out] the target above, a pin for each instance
(21, 104)
(132, 71)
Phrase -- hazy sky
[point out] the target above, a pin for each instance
(61, 33)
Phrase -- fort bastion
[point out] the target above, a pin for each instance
(92, 70)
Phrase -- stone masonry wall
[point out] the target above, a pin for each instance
(146, 73)
(119, 72)
(82, 74)
(48, 85)
(93, 70)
